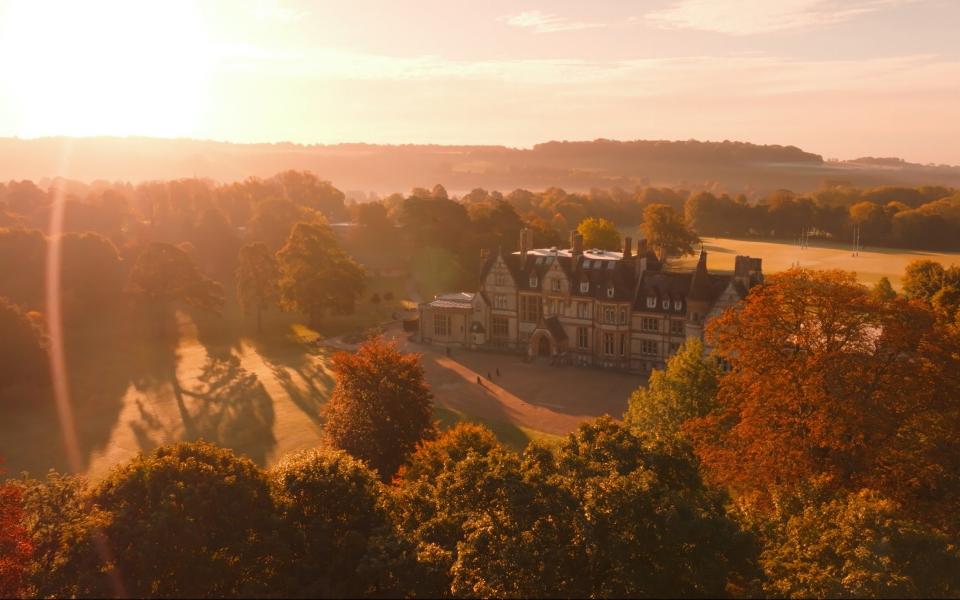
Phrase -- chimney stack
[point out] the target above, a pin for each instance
(627, 247)
(641, 247)
(576, 243)
(523, 245)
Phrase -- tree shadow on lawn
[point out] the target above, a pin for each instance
(287, 356)
(229, 407)
(104, 355)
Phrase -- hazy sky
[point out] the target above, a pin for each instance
(844, 78)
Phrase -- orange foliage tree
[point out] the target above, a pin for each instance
(381, 407)
(15, 547)
(829, 381)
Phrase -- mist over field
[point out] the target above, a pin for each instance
(733, 167)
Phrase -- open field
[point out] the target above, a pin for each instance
(871, 264)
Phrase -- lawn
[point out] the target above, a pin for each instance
(870, 265)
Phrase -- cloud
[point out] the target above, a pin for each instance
(540, 22)
(749, 17)
(741, 76)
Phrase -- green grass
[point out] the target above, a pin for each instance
(512, 436)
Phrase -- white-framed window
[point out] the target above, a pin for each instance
(584, 287)
(608, 343)
(555, 284)
(677, 305)
(609, 292)
(500, 301)
(650, 324)
(623, 315)
(583, 338)
(552, 307)
(666, 304)
(676, 327)
(500, 327)
(623, 344)
(499, 279)
(583, 310)
(533, 282)
(648, 347)
(651, 301)
(441, 325)
(609, 314)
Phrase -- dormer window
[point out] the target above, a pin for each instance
(555, 285)
(584, 287)
(533, 282)
(651, 301)
(666, 304)
(609, 292)
(677, 305)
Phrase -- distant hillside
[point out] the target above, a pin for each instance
(727, 166)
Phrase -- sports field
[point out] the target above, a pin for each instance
(870, 264)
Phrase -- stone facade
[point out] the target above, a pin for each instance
(584, 306)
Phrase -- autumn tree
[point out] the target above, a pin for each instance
(923, 278)
(686, 389)
(23, 352)
(859, 546)
(15, 546)
(599, 233)
(316, 275)
(257, 280)
(666, 230)
(336, 524)
(380, 408)
(185, 520)
(165, 276)
(829, 381)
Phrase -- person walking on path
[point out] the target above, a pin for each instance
(478, 380)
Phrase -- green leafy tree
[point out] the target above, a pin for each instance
(316, 275)
(273, 219)
(188, 520)
(599, 233)
(90, 276)
(923, 278)
(859, 546)
(380, 408)
(64, 559)
(257, 280)
(23, 352)
(165, 276)
(336, 522)
(884, 290)
(685, 390)
(649, 526)
(666, 230)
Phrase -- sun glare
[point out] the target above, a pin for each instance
(104, 67)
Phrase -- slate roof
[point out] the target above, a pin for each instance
(454, 300)
(603, 270)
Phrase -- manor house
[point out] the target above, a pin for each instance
(585, 306)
